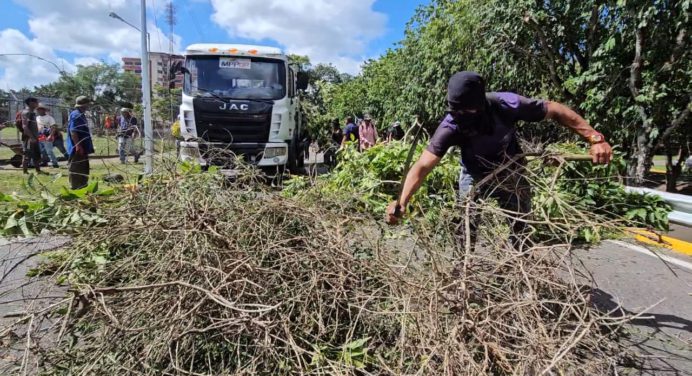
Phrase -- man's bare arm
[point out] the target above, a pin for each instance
(416, 176)
(565, 116)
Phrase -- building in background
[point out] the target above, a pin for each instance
(159, 63)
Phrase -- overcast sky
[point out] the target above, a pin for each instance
(72, 32)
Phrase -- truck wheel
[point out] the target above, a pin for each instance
(292, 163)
(300, 162)
(16, 161)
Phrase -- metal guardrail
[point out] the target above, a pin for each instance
(682, 204)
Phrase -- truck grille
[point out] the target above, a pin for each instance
(224, 127)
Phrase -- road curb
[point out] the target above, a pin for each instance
(676, 245)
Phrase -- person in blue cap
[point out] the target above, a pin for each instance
(483, 125)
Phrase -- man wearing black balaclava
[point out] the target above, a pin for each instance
(483, 125)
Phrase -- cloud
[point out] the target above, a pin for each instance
(78, 27)
(85, 28)
(26, 71)
(333, 31)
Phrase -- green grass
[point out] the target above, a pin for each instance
(103, 145)
(14, 181)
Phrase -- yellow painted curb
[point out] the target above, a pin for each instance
(677, 245)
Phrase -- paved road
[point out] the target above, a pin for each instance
(630, 279)
(624, 277)
(20, 294)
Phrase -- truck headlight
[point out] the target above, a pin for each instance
(273, 152)
(190, 151)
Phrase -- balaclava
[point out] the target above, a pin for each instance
(466, 90)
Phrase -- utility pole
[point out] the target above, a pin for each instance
(146, 97)
(171, 21)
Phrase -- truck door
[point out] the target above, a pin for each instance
(294, 106)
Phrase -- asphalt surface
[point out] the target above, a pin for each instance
(628, 282)
(20, 294)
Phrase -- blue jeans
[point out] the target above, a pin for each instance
(465, 183)
(48, 149)
(513, 194)
(124, 148)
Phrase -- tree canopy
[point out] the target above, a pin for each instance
(622, 64)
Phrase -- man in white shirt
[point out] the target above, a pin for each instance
(45, 125)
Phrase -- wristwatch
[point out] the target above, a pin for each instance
(595, 138)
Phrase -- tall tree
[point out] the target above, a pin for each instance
(105, 84)
(623, 64)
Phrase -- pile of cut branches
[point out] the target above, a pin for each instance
(193, 275)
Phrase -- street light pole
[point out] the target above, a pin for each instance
(146, 88)
(117, 17)
(146, 98)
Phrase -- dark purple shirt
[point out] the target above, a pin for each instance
(486, 147)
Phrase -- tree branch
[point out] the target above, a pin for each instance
(593, 27)
(636, 76)
(679, 49)
(677, 123)
(550, 56)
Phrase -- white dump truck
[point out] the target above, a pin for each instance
(241, 100)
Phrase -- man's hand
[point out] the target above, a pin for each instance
(390, 215)
(602, 153)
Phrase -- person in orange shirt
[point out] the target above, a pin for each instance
(109, 122)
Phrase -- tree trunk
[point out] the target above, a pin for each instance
(674, 170)
(641, 160)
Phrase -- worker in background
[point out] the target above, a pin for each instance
(79, 144)
(46, 124)
(59, 141)
(108, 122)
(395, 132)
(368, 133)
(350, 132)
(337, 136)
(484, 126)
(30, 136)
(127, 129)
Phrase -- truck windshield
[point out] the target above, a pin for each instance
(235, 77)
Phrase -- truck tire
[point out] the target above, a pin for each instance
(16, 161)
(292, 163)
(295, 162)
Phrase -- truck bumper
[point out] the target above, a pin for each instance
(218, 154)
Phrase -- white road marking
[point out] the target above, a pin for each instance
(658, 255)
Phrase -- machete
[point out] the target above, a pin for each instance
(407, 165)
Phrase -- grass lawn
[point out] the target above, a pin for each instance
(103, 145)
(14, 181)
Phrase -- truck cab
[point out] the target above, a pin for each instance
(241, 101)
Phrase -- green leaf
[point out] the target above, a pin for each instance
(357, 344)
(11, 222)
(50, 199)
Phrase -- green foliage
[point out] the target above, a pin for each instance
(107, 85)
(594, 187)
(353, 354)
(581, 192)
(69, 210)
(577, 191)
(165, 103)
(576, 52)
(371, 180)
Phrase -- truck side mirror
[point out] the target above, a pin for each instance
(303, 80)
